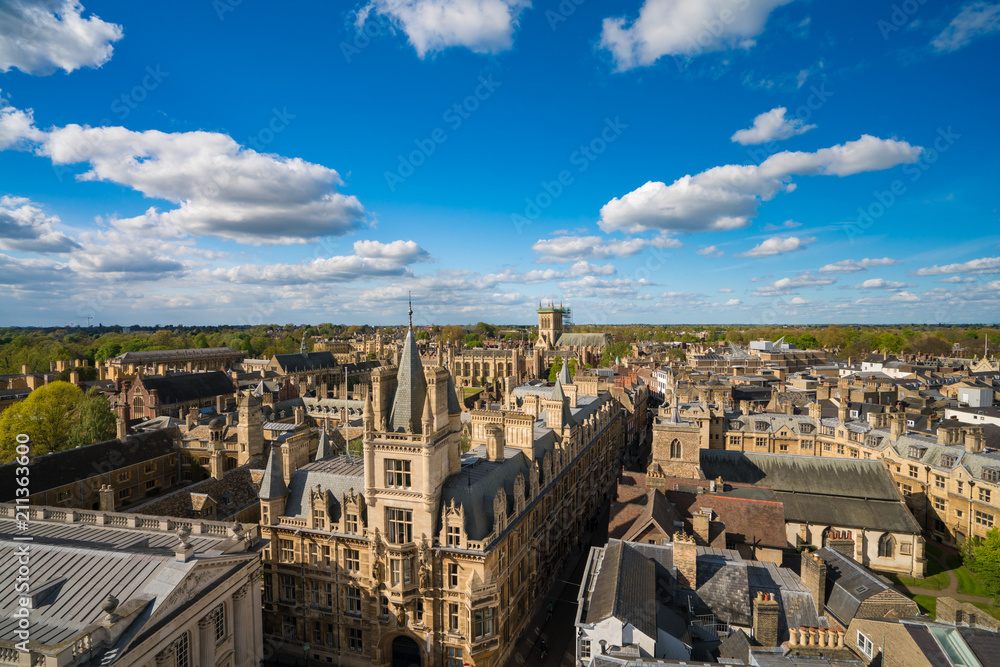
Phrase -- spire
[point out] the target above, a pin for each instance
(675, 416)
(454, 407)
(409, 300)
(273, 484)
(564, 377)
(323, 449)
(411, 388)
(302, 348)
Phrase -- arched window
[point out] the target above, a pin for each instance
(675, 449)
(886, 546)
(137, 407)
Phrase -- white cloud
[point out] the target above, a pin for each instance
(25, 227)
(778, 246)
(975, 20)
(575, 248)
(581, 268)
(684, 28)
(727, 197)
(483, 26)
(220, 188)
(958, 279)
(787, 224)
(25, 272)
(710, 251)
(725, 290)
(857, 266)
(799, 301)
(371, 259)
(771, 126)
(789, 285)
(981, 265)
(732, 302)
(591, 287)
(881, 283)
(905, 297)
(41, 37)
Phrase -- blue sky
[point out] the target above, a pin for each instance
(658, 161)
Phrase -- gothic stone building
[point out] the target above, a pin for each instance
(417, 553)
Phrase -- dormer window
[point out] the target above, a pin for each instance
(991, 474)
(948, 461)
(761, 426)
(805, 428)
(915, 452)
(735, 424)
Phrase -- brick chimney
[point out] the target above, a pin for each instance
(813, 573)
(842, 411)
(685, 561)
(897, 425)
(766, 612)
(699, 523)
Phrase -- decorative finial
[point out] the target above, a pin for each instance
(409, 299)
(183, 533)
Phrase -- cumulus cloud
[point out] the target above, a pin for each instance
(958, 279)
(905, 297)
(684, 28)
(710, 251)
(25, 227)
(881, 283)
(857, 266)
(777, 245)
(977, 19)
(981, 265)
(23, 272)
(220, 188)
(771, 126)
(483, 26)
(575, 248)
(789, 285)
(579, 269)
(42, 37)
(725, 290)
(732, 302)
(371, 259)
(727, 197)
(591, 287)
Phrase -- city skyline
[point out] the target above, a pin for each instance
(658, 161)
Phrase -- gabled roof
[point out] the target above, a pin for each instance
(583, 340)
(411, 389)
(625, 588)
(298, 362)
(334, 475)
(849, 584)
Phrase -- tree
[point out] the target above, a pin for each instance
(929, 345)
(45, 417)
(422, 335)
(987, 561)
(93, 420)
(557, 366)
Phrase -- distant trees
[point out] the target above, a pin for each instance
(931, 345)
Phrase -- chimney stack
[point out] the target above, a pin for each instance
(813, 573)
(974, 439)
(766, 613)
(106, 495)
(685, 561)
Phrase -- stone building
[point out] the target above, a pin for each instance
(161, 362)
(174, 395)
(311, 372)
(133, 590)
(417, 552)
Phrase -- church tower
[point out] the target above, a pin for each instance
(250, 429)
(550, 325)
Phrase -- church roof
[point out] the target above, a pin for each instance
(184, 387)
(583, 340)
(310, 361)
(411, 389)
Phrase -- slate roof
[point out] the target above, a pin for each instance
(335, 475)
(475, 486)
(625, 589)
(184, 387)
(860, 478)
(296, 362)
(72, 465)
(583, 340)
(848, 584)
(148, 356)
(411, 389)
(236, 486)
(744, 519)
(273, 484)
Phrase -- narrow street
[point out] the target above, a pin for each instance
(557, 630)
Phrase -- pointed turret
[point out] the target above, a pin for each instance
(273, 484)
(303, 350)
(368, 415)
(323, 449)
(411, 388)
(564, 377)
(454, 407)
(427, 420)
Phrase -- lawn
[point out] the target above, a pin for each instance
(936, 579)
(927, 604)
(969, 584)
(991, 609)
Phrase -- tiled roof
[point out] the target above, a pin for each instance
(334, 475)
(310, 361)
(149, 356)
(625, 589)
(184, 387)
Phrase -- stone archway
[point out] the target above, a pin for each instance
(405, 652)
